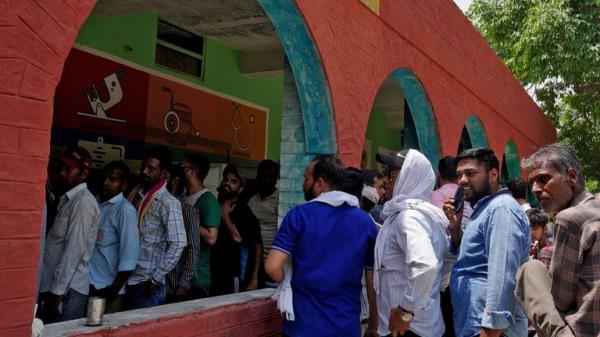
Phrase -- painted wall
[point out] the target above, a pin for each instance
(358, 49)
(133, 37)
(434, 40)
(381, 136)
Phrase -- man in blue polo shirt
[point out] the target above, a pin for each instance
(330, 241)
(117, 245)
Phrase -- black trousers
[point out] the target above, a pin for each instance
(447, 312)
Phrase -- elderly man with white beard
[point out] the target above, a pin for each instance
(409, 250)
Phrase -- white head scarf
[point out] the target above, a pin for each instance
(416, 181)
(412, 190)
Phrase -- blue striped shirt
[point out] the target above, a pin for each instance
(162, 239)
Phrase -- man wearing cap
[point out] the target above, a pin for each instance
(162, 232)
(490, 250)
(329, 241)
(409, 250)
(69, 244)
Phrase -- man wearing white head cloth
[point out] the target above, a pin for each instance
(409, 250)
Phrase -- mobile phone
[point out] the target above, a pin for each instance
(459, 199)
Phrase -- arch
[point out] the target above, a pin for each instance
(476, 132)
(421, 113)
(312, 85)
(511, 160)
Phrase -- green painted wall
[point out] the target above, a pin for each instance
(381, 135)
(133, 37)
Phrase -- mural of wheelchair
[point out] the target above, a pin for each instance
(177, 115)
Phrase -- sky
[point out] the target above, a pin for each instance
(463, 4)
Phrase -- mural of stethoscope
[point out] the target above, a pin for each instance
(178, 114)
(115, 92)
(237, 123)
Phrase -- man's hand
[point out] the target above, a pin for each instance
(181, 293)
(253, 285)
(455, 219)
(149, 288)
(396, 325)
(227, 207)
(50, 307)
(371, 332)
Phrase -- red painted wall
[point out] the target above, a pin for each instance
(254, 318)
(459, 71)
(359, 49)
(35, 37)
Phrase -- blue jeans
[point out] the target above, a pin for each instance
(74, 305)
(138, 298)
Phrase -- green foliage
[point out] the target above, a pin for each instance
(552, 47)
(592, 186)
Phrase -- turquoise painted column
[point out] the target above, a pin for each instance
(421, 113)
(294, 158)
(476, 132)
(511, 155)
(306, 66)
(307, 123)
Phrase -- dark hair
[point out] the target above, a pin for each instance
(330, 169)
(537, 217)
(161, 153)
(266, 165)
(368, 177)
(559, 155)
(176, 171)
(200, 163)
(483, 155)
(447, 168)
(353, 183)
(121, 166)
(517, 187)
(232, 169)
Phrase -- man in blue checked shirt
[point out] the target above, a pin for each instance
(490, 251)
(117, 246)
(162, 232)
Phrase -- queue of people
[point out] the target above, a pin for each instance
(470, 258)
(164, 240)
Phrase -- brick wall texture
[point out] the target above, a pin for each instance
(358, 48)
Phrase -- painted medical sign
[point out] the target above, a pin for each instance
(101, 98)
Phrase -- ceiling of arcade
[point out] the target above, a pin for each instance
(244, 26)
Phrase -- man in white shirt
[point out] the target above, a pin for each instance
(409, 250)
(69, 244)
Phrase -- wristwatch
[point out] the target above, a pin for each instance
(405, 315)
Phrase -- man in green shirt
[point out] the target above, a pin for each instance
(196, 168)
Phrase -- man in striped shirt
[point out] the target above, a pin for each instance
(162, 232)
(565, 302)
(409, 250)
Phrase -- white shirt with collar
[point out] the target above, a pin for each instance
(70, 243)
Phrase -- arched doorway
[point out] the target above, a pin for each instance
(401, 118)
(473, 135)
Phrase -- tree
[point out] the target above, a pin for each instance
(553, 48)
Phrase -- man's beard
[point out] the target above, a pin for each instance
(225, 194)
(309, 194)
(478, 195)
